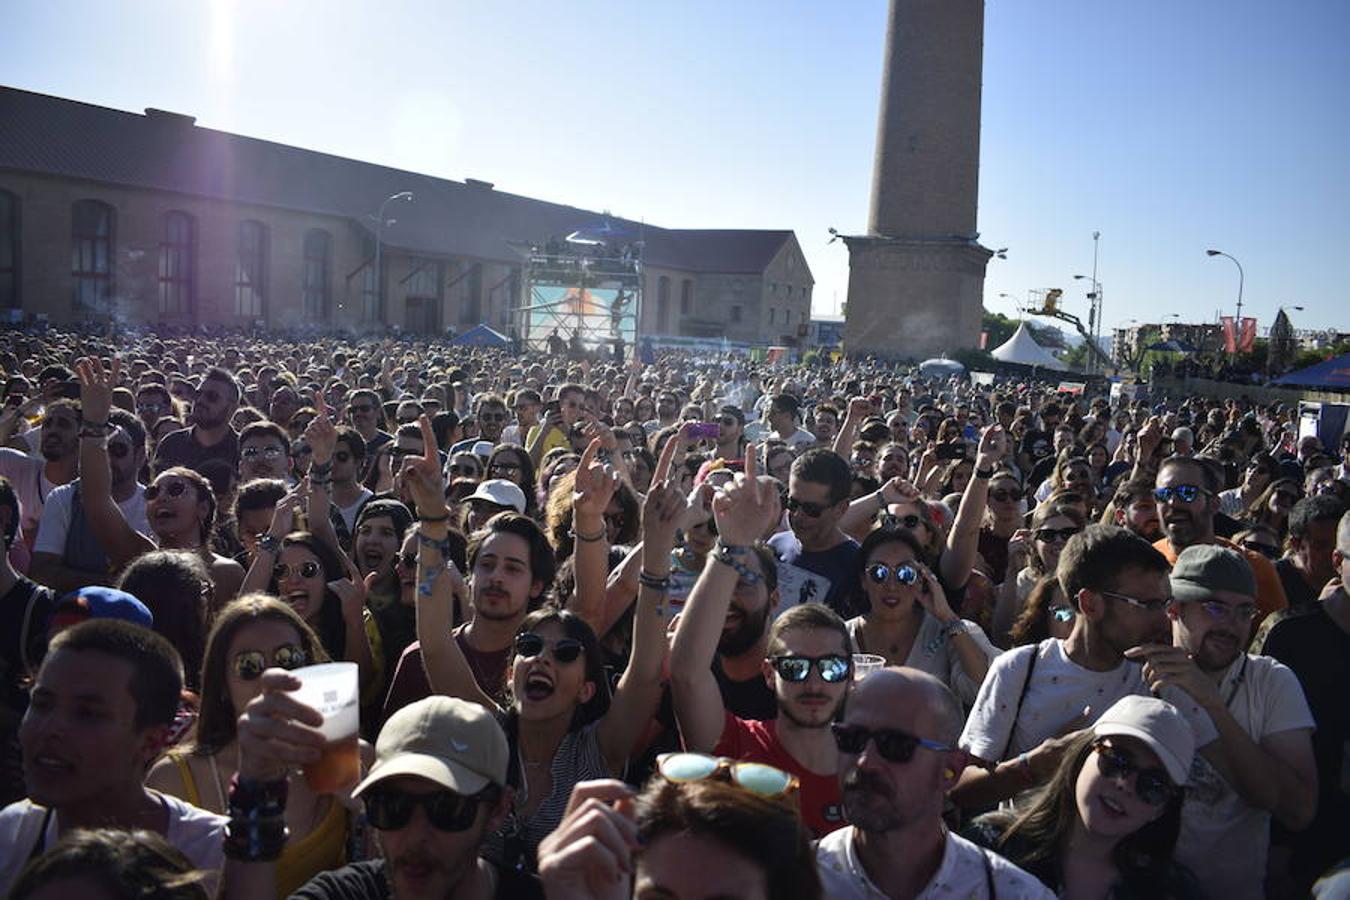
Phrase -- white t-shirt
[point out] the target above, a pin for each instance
(1058, 691)
(55, 522)
(28, 476)
(1224, 839)
(199, 835)
(966, 871)
(799, 440)
(349, 512)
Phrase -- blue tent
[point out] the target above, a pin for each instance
(1333, 374)
(482, 336)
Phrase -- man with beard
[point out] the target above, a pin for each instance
(511, 567)
(1035, 698)
(898, 758)
(210, 436)
(68, 554)
(437, 789)
(1187, 494)
(808, 664)
(1262, 764)
(366, 414)
(33, 478)
(731, 433)
(1133, 507)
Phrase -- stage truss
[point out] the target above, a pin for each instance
(583, 290)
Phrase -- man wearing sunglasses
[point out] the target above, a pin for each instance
(1035, 698)
(817, 562)
(68, 554)
(731, 433)
(1187, 495)
(367, 414)
(1262, 764)
(897, 760)
(210, 436)
(437, 789)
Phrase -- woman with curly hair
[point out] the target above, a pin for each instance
(254, 633)
(623, 516)
(1106, 824)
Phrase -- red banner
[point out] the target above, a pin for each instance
(1229, 334)
(1246, 338)
(984, 340)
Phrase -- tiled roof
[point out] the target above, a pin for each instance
(165, 151)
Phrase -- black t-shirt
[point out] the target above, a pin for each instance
(751, 699)
(1038, 444)
(822, 576)
(367, 881)
(32, 602)
(179, 448)
(1299, 593)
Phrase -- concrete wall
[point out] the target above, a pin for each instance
(1183, 387)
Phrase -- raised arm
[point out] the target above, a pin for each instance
(859, 408)
(742, 511)
(596, 483)
(121, 542)
(448, 671)
(259, 575)
(639, 690)
(964, 540)
(321, 436)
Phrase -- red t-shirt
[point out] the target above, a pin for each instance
(749, 740)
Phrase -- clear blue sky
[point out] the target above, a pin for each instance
(1168, 127)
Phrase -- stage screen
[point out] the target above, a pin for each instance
(601, 314)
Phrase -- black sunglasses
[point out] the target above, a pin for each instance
(173, 488)
(1150, 785)
(814, 510)
(1004, 496)
(1265, 550)
(894, 746)
(307, 569)
(1047, 535)
(833, 668)
(119, 450)
(529, 645)
(904, 573)
(249, 665)
(388, 809)
(910, 521)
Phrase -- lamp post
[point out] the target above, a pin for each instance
(1237, 323)
(380, 223)
(1094, 310)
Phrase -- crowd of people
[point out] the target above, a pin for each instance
(690, 629)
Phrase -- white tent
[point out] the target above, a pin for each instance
(1023, 350)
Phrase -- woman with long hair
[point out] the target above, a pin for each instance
(562, 725)
(1002, 517)
(1033, 554)
(1106, 824)
(1261, 471)
(513, 463)
(1273, 505)
(1046, 614)
(254, 633)
(908, 620)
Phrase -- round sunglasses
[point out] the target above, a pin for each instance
(833, 668)
(904, 573)
(307, 569)
(757, 778)
(530, 645)
(249, 664)
(173, 488)
(1150, 785)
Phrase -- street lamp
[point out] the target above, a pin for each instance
(1095, 309)
(380, 223)
(1241, 278)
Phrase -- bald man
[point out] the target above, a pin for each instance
(898, 758)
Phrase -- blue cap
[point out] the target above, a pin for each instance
(98, 602)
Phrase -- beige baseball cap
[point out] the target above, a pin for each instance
(455, 743)
(1159, 725)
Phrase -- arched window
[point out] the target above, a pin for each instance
(92, 241)
(177, 263)
(663, 304)
(9, 250)
(250, 270)
(686, 297)
(315, 290)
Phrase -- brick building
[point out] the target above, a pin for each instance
(150, 218)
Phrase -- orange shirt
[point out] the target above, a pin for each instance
(1269, 592)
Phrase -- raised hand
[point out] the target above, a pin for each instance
(96, 387)
(423, 476)
(321, 434)
(596, 483)
(352, 592)
(283, 516)
(993, 446)
(859, 408)
(899, 490)
(744, 508)
(662, 514)
(276, 732)
(932, 597)
(589, 856)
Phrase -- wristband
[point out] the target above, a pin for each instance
(589, 538)
(722, 547)
(984, 474)
(441, 544)
(268, 543)
(321, 469)
(1024, 764)
(651, 581)
(96, 429)
(431, 520)
(726, 555)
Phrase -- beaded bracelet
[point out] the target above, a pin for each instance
(441, 544)
(725, 556)
(588, 538)
(256, 831)
(651, 581)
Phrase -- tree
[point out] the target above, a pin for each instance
(999, 328)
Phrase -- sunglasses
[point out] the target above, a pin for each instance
(1186, 493)
(814, 510)
(388, 809)
(251, 663)
(530, 645)
(264, 452)
(894, 746)
(173, 488)
(149, 407)
(1063, 614)
(492, 417)
(910, 521)
(757, 778)
(503, 468)
(1266, 550)
(1005, 496)
(796, 669)
(904, 573)
(361, 408)
(470, 471)
(1150, 785)
(1050, 535)
(119, 450)
(307, 569)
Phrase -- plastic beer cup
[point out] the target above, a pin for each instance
(865, 664)
(333, 689)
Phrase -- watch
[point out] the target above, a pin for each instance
(268, 542)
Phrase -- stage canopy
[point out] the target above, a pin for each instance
(482, 336)
(1333, 374)
(1022, 349)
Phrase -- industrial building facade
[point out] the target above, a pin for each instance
(110, 215)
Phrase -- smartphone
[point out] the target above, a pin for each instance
(951, 450)
(703, 431)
